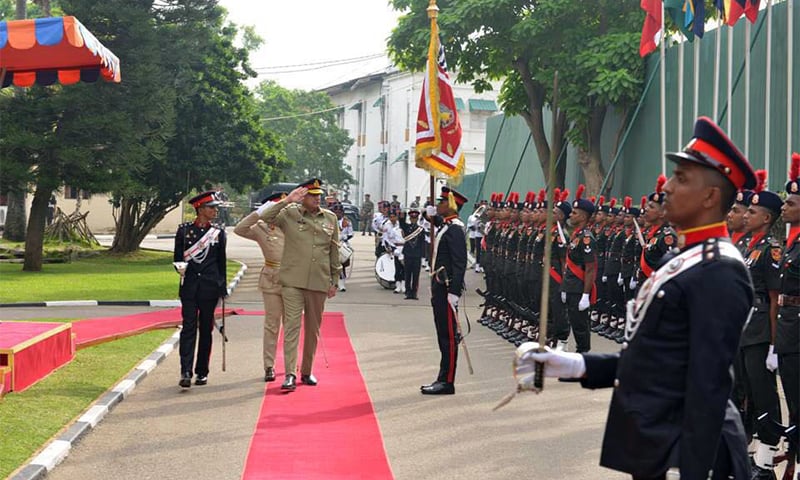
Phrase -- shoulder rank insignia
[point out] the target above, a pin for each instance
(669, 240)
(776, 253)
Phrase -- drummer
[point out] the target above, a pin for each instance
(393, 243)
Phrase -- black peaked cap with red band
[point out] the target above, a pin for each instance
(711, 148)
(205, 199)
(459, 198)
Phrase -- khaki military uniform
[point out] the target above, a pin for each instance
(308, 269)
(270, 239)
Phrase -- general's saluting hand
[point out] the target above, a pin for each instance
(297, 194)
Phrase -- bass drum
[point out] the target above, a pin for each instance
(384, 271)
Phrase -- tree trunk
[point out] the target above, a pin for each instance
(22, 10)
(34, 236)
(591, 159)
(14, 229)
(135, 220)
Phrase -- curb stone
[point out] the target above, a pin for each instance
(58, 449)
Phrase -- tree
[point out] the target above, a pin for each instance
(305, 123)
(524, 42)
(215, 134)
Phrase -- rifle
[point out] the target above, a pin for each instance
(639, 233)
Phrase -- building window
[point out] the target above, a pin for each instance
(72, 193)
(477, 120)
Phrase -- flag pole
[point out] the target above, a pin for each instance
(747, 40)
(433, 12)
(680, 91)
(767, 89)
(729, 95)
(696, 99)
(789, 77)
(662, 53)
(717, 48)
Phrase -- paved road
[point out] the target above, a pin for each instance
(160, 432)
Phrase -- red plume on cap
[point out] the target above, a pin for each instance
(542, 195)
(530, 197)
(493, 197)
(564, 195)
(644, 203)
(627, 202)
(660, 183)
(499, 196)
(761, 181)
(579, 191)
(794, 170)
(556, 195)
(612, 203)
(593, 199)
(601, 201)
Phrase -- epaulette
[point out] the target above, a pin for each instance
(710, 250)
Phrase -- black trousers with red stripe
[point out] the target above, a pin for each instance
(445, 333)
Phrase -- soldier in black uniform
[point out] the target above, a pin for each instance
(558, 252)
(670, 409)
(578, 290)
(659, 237)
(413, 250)
(740, 237)
(762, 257)
(201, 246)
(787, 337)
(613, 271)
(447, 285)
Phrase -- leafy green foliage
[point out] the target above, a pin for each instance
(309, 132)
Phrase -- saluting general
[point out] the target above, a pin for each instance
(309, 272)
(670, 411)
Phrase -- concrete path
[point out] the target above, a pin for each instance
(160, 432)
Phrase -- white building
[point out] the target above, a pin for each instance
(380, 112)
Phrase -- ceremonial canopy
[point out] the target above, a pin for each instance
(44, 51)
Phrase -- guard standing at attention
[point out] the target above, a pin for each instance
(448, 264)
(787, 341)
(762, 256)
(309, 272)
(670, 413)
(201, 245)
(270, 240)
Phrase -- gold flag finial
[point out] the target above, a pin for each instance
(433, 10)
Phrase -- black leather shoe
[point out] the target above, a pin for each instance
(201, 380)
(309, 380)
(186, 380)
(428, 385)
(269, 374)
(439, 388)
(290, 383)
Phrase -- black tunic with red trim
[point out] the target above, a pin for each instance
(581, 251)
(208, 277)
(787, 334)
(659, 242)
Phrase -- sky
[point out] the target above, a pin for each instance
(315, 31)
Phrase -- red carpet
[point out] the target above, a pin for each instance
(323, 432)
(98, 330)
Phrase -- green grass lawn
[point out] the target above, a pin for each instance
(30, 418)
(143, 275)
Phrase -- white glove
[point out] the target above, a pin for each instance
(430, 211)
(584, 303)
(563, 297)
(556, 364)
(772, 359)
(619, 279)
(604, 279)
(263, 208)
(452, 299)
(633, 283)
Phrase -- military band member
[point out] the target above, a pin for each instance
(578, 290)
(670, 408)
(762, 257)
(270, 240)
(787, 341)
(309, 272)
(345, 234)
(413, 250)
(448, 266)
(203, 281)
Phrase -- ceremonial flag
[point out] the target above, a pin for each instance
(651, 31)
(699, 15)
(749, 8)
(675, 9)
(438, 147)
